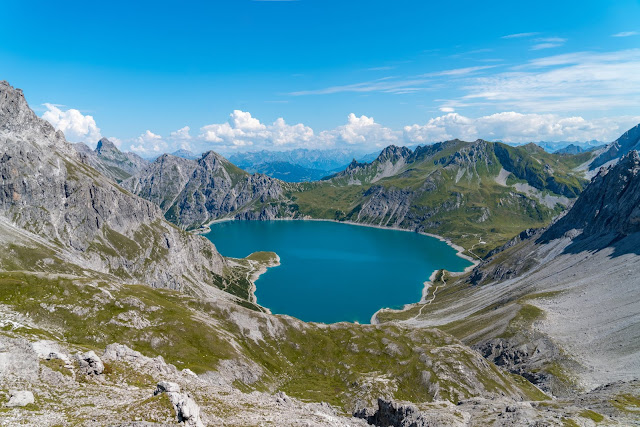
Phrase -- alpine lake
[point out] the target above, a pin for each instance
(332, 272)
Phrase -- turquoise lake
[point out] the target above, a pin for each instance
(332, 272)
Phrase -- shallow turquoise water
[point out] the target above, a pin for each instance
(332, 272)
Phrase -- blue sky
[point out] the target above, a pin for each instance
(246, 75)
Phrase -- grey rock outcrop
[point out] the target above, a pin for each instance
(388, 163)
(187, 410)
(122, 353)
(630, 140)
(90, 363)
(395, 414)
(610, 204)
(20, 398)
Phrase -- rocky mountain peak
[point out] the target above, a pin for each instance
(630, 140)
(16, 117)
(212, 160)
(394, 153)
(609, 204)
(106, 146)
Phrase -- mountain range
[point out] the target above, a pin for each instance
(490, 190)
(112, 314)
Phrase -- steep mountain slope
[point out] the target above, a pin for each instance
(110, 161)
(192, 193)
(47, 192)
(162, 180)
(559, 305)
(630, 140)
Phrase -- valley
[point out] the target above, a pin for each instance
(114, 311)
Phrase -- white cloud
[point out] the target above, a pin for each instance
(551, 40)
(541, 46)
(447, 109)
(244, 130)
(548, 43)
(386, 85)
(519, 35)
(459, 71)
(76, 126)
(571, 82)
(149, 143)
(517, 127)
(361, 130)
(181, 134)
(625, 34)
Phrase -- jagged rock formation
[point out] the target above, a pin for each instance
(609, 205)
(163, 180)
(74, 213)
(192, 193)
(629, 141)
(187, 410)
(110, 161)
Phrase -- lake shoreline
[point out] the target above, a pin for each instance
(459, 249)
(426, 285)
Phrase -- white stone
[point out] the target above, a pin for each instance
(20, 398)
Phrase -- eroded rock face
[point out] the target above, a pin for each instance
(193, 192)
(187, 410)
(47, 190)
(609, 204)
(630, 140)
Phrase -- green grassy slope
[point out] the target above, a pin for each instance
(340, 363)
(451, 190)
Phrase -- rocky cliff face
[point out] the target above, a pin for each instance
(630, 140)
(47, 190)
(110, 161)
(162, 181)
(609, 205)
(193, 193)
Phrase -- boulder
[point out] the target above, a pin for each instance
(19, 398)
(90, 363)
